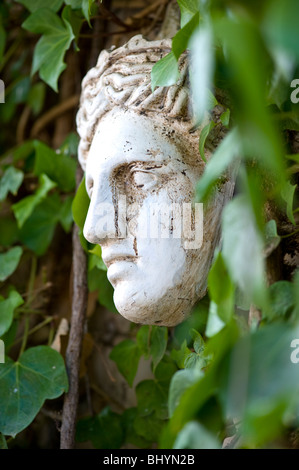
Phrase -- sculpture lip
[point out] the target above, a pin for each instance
(117, 257)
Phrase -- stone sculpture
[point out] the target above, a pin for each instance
(139, 149)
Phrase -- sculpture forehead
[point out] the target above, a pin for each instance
(125, 136)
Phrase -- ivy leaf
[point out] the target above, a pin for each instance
(59, 167)
(149, 427)
(38, 230)
(195, 436)
(165, 72)
(65, 214)
(34, 5)
(272, 239)
(242, 249)
(225, 154)
(287, 194)
(225, 117)
(262, 382)
(39, 374)
(95, 259)
(221, 289)
(281, 299)
(126, 355)
(10, 182)
(181, 39)
(203, 137)
(7, 307)
(188, 9)
(202, 69)
(80, 205)
(143, 340)
(24, 208)
(36, 97)
(9, 262)
(84, 5)
(152, 397)
(3, 443)
(49, 52)
(158, 343)
(103, 430)
(180, 382)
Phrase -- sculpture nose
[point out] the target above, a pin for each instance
(100, 221)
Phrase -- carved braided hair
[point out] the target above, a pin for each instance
(122, 77)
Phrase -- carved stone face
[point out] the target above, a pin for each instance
(136, 163)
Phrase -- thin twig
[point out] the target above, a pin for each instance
(53, 113)
(73, 352)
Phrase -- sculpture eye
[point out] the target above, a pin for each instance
(143, 179)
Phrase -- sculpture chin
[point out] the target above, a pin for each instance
(143, 309)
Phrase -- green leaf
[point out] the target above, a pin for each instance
(198, 342)
(181, 39)
(261, 382)
(65, 214)
(272, 239)
(131, 436)
(36, 97)
(126, 355)
(97, 280)
(95, 259)
(149, 427)
(281, 26)
(7, 308)
(188, 9)
(84, 5)
(165, 370)
(181, 381)
(214, 323)
(158, 343)
(9, 231)
(34, 5)
(70, 144)
(104, 430)
(294, 157)
(10, 182)
(39, 374)
(281, 299)
(38, 230)
(242, 249)
(80, 205)
(9, 262)
(165, 72)
(57, 166)
(152, 398)
(221, 289)
(180, 355)
(195, 436)
(225, 117)
(51, 47)
(287, 194)
(143, 340)
(203, 137)
(201, 70)
(244, 52)
(226, 153)
(3, 443)
(24, 208)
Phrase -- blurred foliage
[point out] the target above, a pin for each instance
(227, 370)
